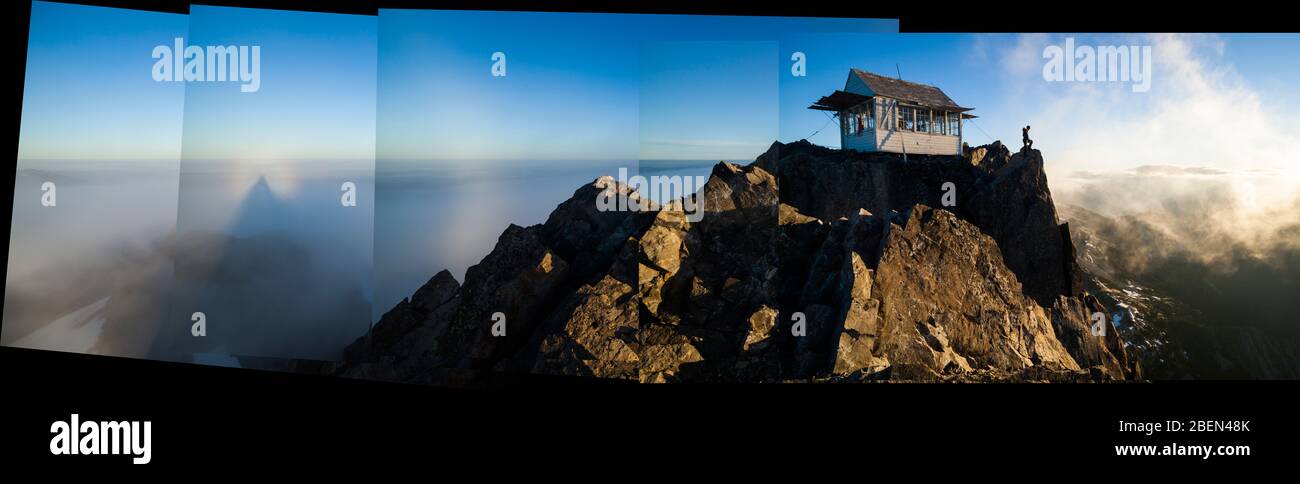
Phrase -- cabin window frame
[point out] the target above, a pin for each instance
(906, 118)
(922, 120)
(954, 124)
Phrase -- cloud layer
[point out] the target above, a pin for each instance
(1202, 155)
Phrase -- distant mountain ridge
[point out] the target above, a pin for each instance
(1185, 318)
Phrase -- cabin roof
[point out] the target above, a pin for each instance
(839, 101)
(923, 95)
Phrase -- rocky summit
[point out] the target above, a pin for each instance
(809, 264)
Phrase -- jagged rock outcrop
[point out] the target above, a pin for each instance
(950, 302)
(1005, 194)
(808, 264)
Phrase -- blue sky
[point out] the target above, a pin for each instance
(585, 86)
(707, 100)
(1267, 60)
(575, 84)
(576, 88)
(88, 94)
(1217, 100)
(317, 94)
(562, 97)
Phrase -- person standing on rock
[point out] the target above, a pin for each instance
(1024, 133)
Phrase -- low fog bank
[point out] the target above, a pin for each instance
(115, 299)
(1218, 218)
(90, 255)
(277, 275)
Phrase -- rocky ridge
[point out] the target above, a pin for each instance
(853, 252)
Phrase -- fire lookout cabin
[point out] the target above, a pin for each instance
(879, 113)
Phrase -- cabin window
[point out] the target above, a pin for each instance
(860, 119)
(923, 120)
(940, 122)
(907, 118)
(954, 124)
(869, 117)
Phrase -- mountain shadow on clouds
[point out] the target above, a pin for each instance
(263, 287)
(260, 211)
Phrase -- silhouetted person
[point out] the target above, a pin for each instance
(1024, 133)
